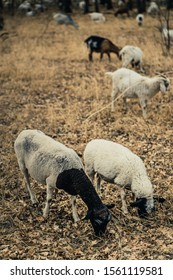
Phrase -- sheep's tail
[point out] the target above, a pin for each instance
(109, 73)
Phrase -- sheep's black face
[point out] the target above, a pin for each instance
(99, 220)
(141, 204)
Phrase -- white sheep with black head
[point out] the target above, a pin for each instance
(116, 164)
(57, 166)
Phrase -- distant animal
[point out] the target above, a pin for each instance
(153, 9)
(121, 11)
(140, 19)
(97, 17)
(25, 6)
(100, 45)
(131, 55)
(65, 19)
(167, 34)
(134, 85)
(116, 164)
(53, 164)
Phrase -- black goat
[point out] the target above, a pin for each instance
(101, 45)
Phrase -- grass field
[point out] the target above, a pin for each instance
(47, 83)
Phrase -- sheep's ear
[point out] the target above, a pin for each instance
(138, 202)
(88, 215)
(159, 199)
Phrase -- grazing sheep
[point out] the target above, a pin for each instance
(100, 45)
(53, 164)
(65, 19)
(133, 85)
(131, 55)
(97, 17)
(25, 6)
(116, 164)
(140, 19)
(153, 9)
(166, 33)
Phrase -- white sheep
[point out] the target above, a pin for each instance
(65, 19)
(133, 85)
(116, 164)
(153, 8)
(25, 6)
(97, 17)
(166, 33)
(131, 55)
(57, 166)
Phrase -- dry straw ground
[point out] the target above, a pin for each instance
(47, 83)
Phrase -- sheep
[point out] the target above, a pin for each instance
(24, 7)
(116, 164)
(140, 19)
(65, 19)
(153, 9)
(166, 33)
(97, 17)
(134, 85)
(57, 166)
(131, 55)
(100, 45)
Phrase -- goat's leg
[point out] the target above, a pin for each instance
(74, 210)
(90, 56)
(101, 56)
(49, 196)
(113, 95)
(109, 57)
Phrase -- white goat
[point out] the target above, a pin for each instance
(116, 164)
(53, 164)
(134, 85)
(131, 55)
(97, 17)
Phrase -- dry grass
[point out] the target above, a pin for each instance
(47, 83)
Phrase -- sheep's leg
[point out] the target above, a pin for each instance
(27, 181)
(74, 210)
(143, 104)
(98, 184)
(48, 199)
(123, 196)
